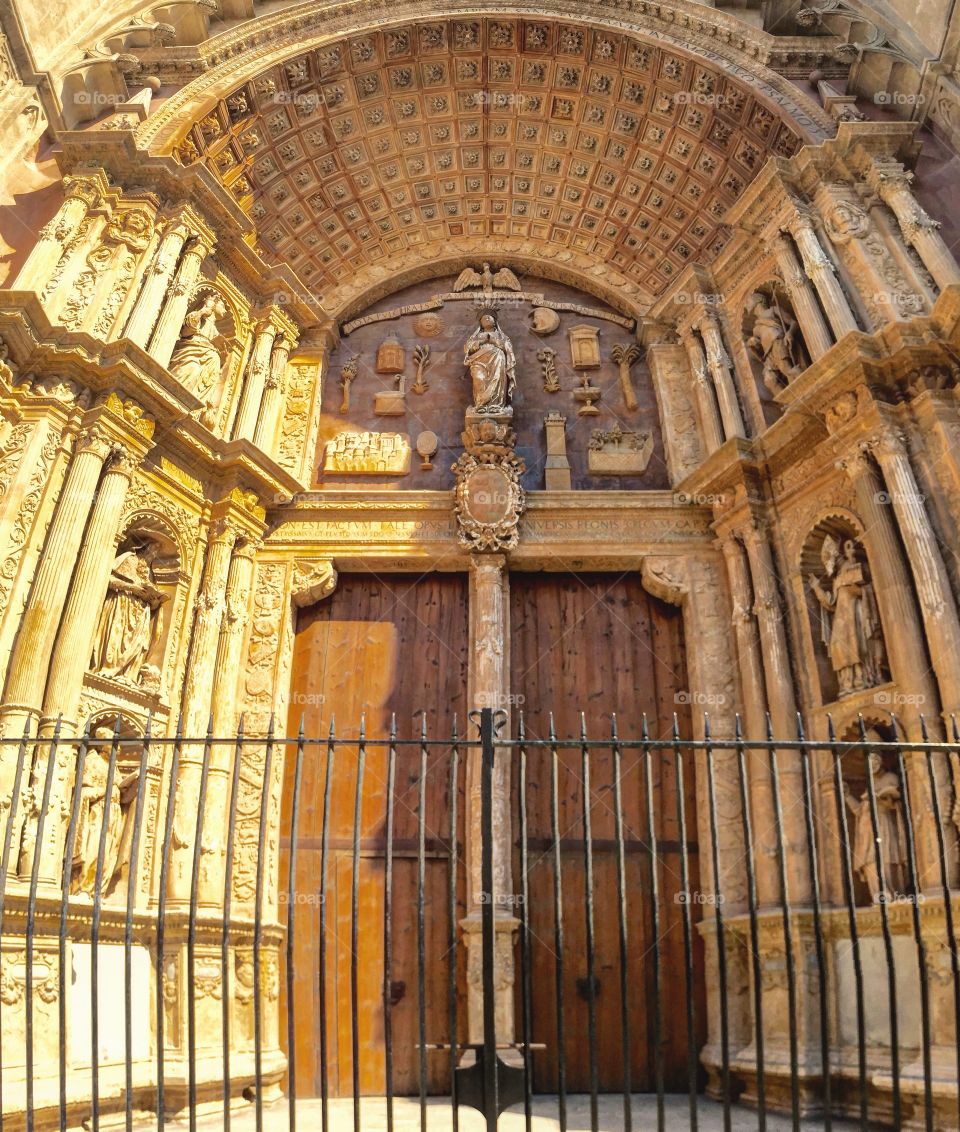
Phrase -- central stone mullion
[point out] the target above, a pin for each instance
(489, 686)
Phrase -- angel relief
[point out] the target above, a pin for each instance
(487, 279)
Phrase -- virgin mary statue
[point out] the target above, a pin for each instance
(488, 355)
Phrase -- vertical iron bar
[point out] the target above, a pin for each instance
(687, 925)
(787, 930)
(848, 892)
(558, 924)
(95, 931)
(162, 913)
(32, 911)
(622, 924)
(452, 919)
(945, 882)
(388, 922)
(355, 925)
(133, 874)
(813, 864)
(590, 938)
(291, 933)
(324, 892)
(4, 869)
(917, 934)
(64, 910)
(258, 927)
(422, 923)
(718, 926)
(227, 998)
(526, 990)
(654, 923)
(491, 1105)
(201, 804)
(885, 929)
(748, 856)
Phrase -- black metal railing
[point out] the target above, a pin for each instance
(759, 925)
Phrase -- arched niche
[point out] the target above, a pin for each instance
(844, 623)
(775, 345)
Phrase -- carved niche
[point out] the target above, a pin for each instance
(773, 338)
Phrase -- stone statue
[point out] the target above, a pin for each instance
(774, 341)
(891, 834)
(95, 808)
(196, 359)
(131, 618)
(851, 623)
(488, 355)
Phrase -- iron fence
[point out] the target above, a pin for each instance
(768, 923)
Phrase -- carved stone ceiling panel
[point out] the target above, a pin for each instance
(375, 149)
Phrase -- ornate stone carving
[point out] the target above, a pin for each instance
(421, 355)
(197, 358)
(617, 453)
(130, 621)
(488, 500)
(584, 347)
(347, 377)
(775, 340)
(890, 838)
(624, 357)
(489, 358)
(312, 582)
(368, 454)
(487, 279)
(548, 370)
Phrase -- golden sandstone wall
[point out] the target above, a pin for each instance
(723, 292)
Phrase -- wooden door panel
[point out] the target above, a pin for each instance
(600, 645)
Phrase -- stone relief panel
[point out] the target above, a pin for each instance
(459, 368)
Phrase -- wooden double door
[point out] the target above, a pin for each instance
(393, 645)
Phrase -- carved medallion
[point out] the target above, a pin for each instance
(489, 499)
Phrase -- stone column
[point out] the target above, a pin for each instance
(150, 300)
(71, 654)
(30, 659)
(257, 373)
(921, 230)
(722, 372)
(198, 703)
(271, 407)
(707, 406)
(167, 331)
(489, 683)
(816, 333)
(83, 193)
(906, 653)
(819, 268)
(782, 705)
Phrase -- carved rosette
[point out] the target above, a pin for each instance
(489, 500)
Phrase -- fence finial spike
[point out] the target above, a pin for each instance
(923, 729)
(953, 724)
(800, 735)
(210, 726)
(521, 727)
(553, 733)
(454, 732)
(240, 726)
(613, 727)
(706, 726)
(583, 727)
(644, 728)
(831, 730)
(332, 732)
(423, 727)
(738, 728)
(769, 727)
(363, 726)
(676, 728)
(301, 732)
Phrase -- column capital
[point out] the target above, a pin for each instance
(95, 439)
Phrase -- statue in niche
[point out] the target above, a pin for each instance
(131, 618)
(850, 623)
(890, 836)
(489, 357)
(774, 341)
(196, 359)
(95, 808)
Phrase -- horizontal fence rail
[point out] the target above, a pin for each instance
(306, 929)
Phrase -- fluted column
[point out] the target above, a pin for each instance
(816, 333)
(937, 607)
(150, 300)
(920, 229)
(82, 194)
(706, 404)
(271, 407)
(257, 374)
(30, 659)
(71, 654)
(817, 265)
(782, 705)
(721, 369)
(167, 331)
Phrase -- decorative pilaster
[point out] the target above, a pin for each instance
(816, 333)
(170, 322)
(721, 369)
(706, 403)
(83, 193)
(817, 265)
(150, 300)
(256, 378)
(891, 182)
(271, 405)
(318, 353)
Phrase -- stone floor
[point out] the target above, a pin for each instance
(373, 1117)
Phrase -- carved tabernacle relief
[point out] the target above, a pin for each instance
(618, 453)
(369, 454)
